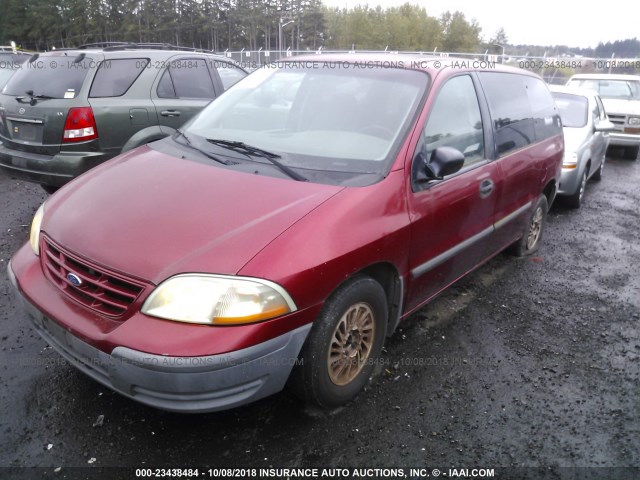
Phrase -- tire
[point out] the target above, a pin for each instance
(530, 241)
(598, 175)
(50, 189)
(575, 200)
(631, 153)
(352, 351)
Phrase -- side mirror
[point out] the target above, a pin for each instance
(444, 161)
(605, 126)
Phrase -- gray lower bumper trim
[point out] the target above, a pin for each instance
(180, 384)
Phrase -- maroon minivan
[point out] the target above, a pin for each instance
(284, 232)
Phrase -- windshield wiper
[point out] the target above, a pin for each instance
(251, 151)
(199, 150)
(33, 99)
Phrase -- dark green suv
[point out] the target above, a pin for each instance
(66, 111)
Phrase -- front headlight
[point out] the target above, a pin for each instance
(633, 121)
(570, 160)
(218, 300)
(34, 235)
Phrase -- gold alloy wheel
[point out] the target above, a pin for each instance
(535, 228)
(351, 344)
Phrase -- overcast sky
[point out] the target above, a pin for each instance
(539, 22)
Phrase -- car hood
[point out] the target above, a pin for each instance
(575, 138)
(152, 215)
(621, 107)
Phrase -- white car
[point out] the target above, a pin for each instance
(586, 137)
(621, 97)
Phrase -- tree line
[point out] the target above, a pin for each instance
(233, 24)
(251, 24)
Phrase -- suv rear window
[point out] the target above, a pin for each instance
(51, 76)
(115, 77)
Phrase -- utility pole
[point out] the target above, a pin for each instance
(281, 25)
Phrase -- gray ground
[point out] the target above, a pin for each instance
(526, 362)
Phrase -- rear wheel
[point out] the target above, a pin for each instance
(530, 241)
(575, 200)
(339, 354)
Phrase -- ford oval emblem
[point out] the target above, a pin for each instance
(74, 280)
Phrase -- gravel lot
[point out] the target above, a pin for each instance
(525, 363)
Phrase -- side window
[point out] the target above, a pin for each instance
(229, 74)
(115, 77)
(455, 121)
(191, 79)
(510, 110)
(546, 122)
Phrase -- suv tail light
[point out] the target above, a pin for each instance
(80, 125)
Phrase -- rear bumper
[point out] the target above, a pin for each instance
(180, 384)
(48, 170)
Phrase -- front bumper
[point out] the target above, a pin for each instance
(180, 384)
(570, 181)
(53, 170)
(618, 139)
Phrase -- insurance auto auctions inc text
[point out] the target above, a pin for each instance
(368, 473)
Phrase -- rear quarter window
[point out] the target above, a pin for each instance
(229, 74)
(114, 77)
(186, 78)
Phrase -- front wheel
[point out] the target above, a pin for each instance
(345, 340)
(598, 175)
(530, 241)
(575, 200)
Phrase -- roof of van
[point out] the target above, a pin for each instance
(409, 61)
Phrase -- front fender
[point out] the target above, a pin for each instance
(585, 158)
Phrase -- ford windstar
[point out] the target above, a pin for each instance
(286, 230)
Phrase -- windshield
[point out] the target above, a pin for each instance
(318, 119)
(573, 109)
(617, 89)
(50, 76)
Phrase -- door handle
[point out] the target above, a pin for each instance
(486, 187)
(170, 113)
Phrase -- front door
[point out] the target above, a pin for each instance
(452, 218)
